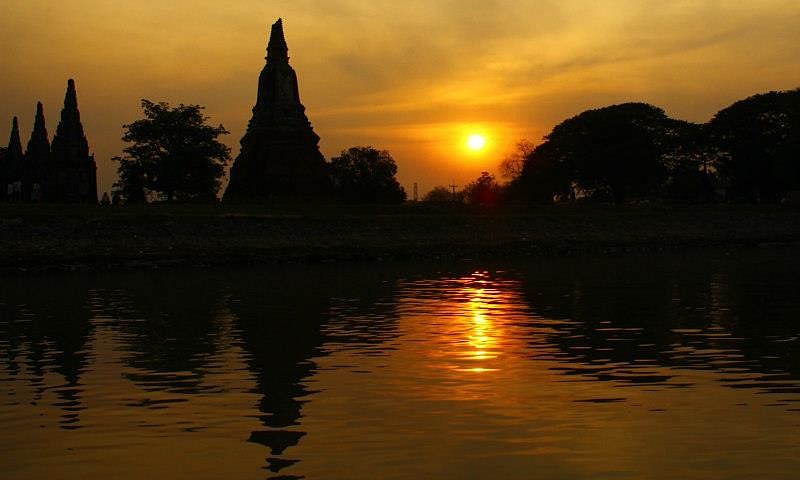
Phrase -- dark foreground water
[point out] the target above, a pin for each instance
(658, 367)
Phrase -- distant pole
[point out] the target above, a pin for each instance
(453, 187)
(416, 192)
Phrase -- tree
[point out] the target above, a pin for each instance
(365, 174)
(440, 194)
(171, 152)
(613, 152)
(691, 164)
(542, 178)
(512, 165)
(760, 141)
(483, 191)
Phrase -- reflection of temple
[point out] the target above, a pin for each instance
(285, 318)
(63, 172)
(48, 330)
(279, 157)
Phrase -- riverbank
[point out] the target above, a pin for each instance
(41, 237)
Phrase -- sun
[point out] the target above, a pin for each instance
(476, 142)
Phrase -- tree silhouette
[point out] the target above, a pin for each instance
(542, 178)
(691, 164)
(512, 165)
(365, 174)
(172, 152)
(483, 191)
(442, 194)
(613, 152)
(760, 140)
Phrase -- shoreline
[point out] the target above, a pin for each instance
(53, 237)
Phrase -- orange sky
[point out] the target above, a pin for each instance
(413, 77)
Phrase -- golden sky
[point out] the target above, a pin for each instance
(414, 77)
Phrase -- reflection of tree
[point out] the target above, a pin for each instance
(761, 298)
(169, 327)
(629, 313)
(51, 324)
(285, 317)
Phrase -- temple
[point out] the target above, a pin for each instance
(280, 156)
(63, 172)
(71, 170)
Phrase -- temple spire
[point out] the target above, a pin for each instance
(39, 134)
(36, 157)
(70, 115)
(14, 144)
(277, 50)
(280, 155)
(69, 141)
(71, 170)
(13, 163)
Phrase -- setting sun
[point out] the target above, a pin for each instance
(476, 142)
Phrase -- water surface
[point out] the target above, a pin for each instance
(669, 366)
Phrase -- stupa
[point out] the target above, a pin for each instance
(280, 157)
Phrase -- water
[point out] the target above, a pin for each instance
(663, 367)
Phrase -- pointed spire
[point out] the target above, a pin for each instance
(39, 134)
(71, 170)
(277, 50)
(70, 113)
(34, 171)
(69, 142)
(14, 144)
(14, 155)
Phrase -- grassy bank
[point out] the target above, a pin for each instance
(36, 237)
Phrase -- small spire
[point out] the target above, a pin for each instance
(39, 145)
(71, 97)
(277, 50)
(39, 129)
(14, 144)
(14, 155)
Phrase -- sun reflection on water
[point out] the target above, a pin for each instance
(476, 331)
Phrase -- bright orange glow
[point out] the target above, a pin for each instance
(535, 72)
(476, 142)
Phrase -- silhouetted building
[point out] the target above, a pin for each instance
(71, 171)
(280, 156)
(12, 168)
(2, 173)
(36, 158)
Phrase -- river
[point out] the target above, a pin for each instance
(638, 366)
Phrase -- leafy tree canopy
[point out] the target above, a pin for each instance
(511, 166)
(483, 191)
(442, 194)
(366, 175)
(616, 151)
(760, 140)
(172, 152)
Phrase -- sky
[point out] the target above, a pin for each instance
(414, 77)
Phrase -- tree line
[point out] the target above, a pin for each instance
(747, 152)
